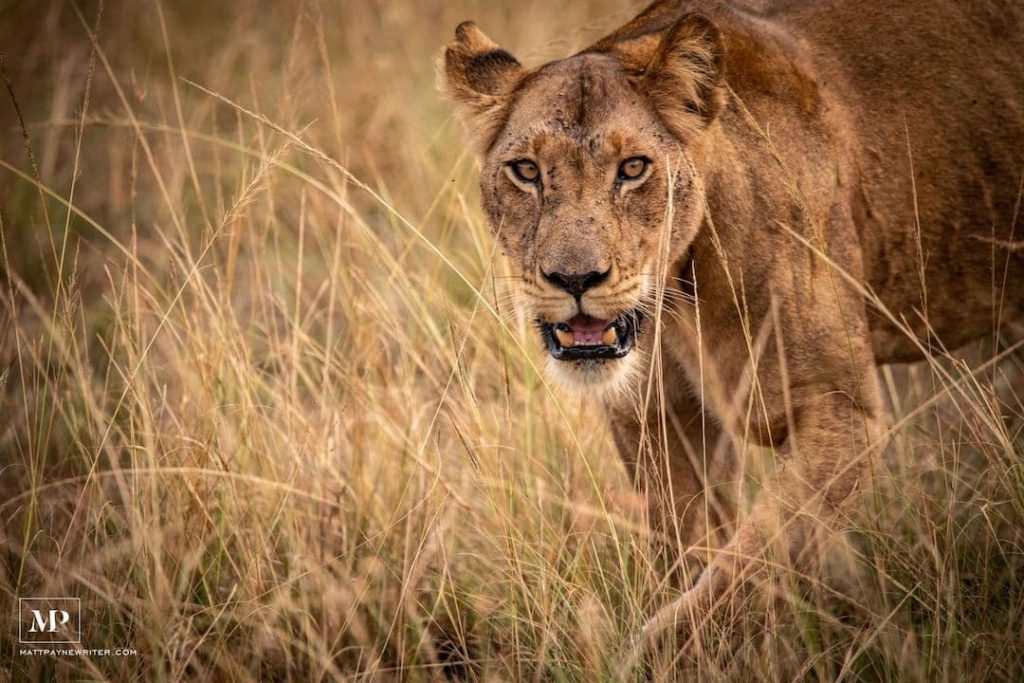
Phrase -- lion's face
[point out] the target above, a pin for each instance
(576, 188)
(589, 188)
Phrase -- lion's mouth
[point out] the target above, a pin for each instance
(584, 338)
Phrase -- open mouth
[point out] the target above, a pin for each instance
(585, 338)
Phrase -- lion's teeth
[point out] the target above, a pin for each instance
(565, 338)
(610, 336)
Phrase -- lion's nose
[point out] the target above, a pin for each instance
(577, 283)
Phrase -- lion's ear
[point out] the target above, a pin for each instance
(479, 77)
(679, 65)
(686, 70)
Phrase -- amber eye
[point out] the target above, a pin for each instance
(632, 168)
(525, 170)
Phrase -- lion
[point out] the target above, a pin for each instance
(727, 215)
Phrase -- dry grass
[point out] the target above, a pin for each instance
(267, 408)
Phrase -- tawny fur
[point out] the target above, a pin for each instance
(842, 182)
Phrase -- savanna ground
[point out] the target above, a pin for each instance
(268, 409)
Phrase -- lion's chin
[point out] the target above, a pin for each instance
(589, 376)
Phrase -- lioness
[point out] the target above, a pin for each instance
(753, 204)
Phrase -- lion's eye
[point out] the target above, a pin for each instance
(632, 168)
(525, 170)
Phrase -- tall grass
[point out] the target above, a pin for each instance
(268, 408)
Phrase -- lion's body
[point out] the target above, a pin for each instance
(842, 182)
(914, 114)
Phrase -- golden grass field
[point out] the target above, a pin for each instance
(268, 409)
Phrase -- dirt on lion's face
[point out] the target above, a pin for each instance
(590, 193)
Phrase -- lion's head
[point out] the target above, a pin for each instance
(582, 159)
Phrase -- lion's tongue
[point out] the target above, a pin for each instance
(587, 331)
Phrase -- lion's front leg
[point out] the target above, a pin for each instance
(688, 474)
(819, 467)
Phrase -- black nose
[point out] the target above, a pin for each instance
(576, 283)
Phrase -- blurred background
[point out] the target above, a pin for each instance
(268, 408)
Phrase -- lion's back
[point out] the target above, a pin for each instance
(934, 92)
